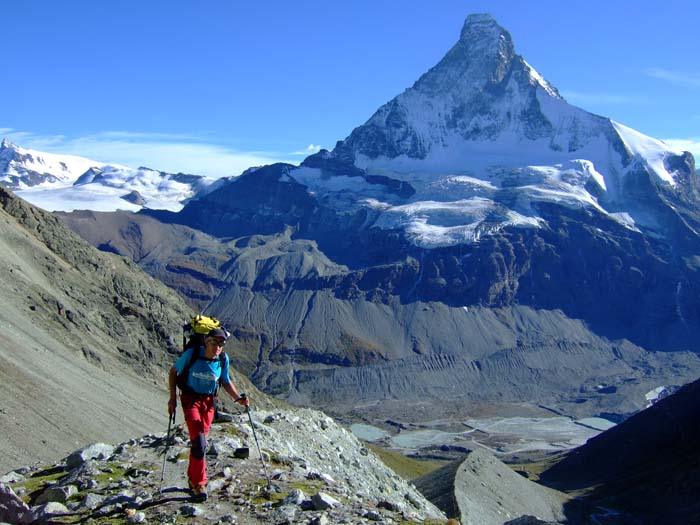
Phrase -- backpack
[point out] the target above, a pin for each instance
(193, 333)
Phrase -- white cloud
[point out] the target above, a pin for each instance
(310, 150)
(675, 77)
(161, 151)
(692, 145)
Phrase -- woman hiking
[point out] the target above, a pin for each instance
(198, 373)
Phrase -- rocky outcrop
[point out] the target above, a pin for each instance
(319, 473)
(481, 490)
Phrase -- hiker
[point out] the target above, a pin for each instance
(205, 371)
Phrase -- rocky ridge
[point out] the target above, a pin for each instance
(319, 473)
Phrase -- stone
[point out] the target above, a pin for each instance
(388, 505)
(295, 497)
(283, 515)
(59, 494)
(323, 501)
(138, 517)
(92, 501)
(372, 515)
(192, 510)
(94, 451)
(223, 447)
(320, 520)
(52, 508)
(527, 519)
(217, 484)
(12, 508)
(12, 477)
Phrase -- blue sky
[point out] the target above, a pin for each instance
(214, 87)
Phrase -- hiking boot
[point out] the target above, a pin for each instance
(222, 417)
(199, 494)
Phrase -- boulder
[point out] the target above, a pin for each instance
(12, 508)
(94, 451)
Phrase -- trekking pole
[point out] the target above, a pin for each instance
(252, 426)
(171, 421)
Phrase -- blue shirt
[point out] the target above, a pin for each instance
(204, 374)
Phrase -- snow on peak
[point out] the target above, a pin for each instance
(481, 139)
(66, 182)
(650, 150)
(482, 27)
(22, 168)
(540, 81)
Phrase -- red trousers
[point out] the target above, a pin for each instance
(199, 413)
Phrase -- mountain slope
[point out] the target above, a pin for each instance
(477, 242)
(481, 489)
(646, 466)
(87, 337)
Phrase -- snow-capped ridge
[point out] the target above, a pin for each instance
(67, 182)
(484, 113)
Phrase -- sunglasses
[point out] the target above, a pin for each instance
(217, 342)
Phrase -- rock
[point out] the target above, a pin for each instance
(323, 501)
(526, 519)
(327, 478)
(217, 484)
(295, 497)
(12, 477)
(241, 453)
(372, 515)
(223, 447)
(388, 505)
(283, 515)
(319, 520)
(191, 510)
(13, 509)
(52, 508)
(91, 501)
(58, 494)
(94, 451)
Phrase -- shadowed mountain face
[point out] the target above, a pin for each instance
(647, 466)
(86, 340)
(477, 240)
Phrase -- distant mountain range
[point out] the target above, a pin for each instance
(478, 242)
(66, 182)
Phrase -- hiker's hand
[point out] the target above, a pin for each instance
(172, 405)
(243, 400)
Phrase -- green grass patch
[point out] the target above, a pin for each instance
(407, 468)
(308, 487)
(36, 483)
(118, 472)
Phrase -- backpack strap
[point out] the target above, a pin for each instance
(184, 375)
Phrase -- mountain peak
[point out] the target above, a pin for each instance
(6, 144)
(480, 92)
(482, 27)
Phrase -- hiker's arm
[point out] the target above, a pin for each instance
(172, 402)
(231, 389)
